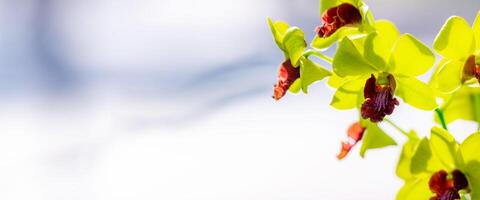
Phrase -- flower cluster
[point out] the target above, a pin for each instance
(375, 70)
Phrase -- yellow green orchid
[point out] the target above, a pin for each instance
(296, 71)
(459, 44)
(372, 66)
(439, 167)
(382, 62)
(342, 18)
(462, 104)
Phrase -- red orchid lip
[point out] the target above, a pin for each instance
(379, 100)
(438, 182)
(471, 69)
(446, 188)
(287, 74)
(337, 17)
(459, 180)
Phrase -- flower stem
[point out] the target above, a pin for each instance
(441, 117)
(319, 55)
(397, 127)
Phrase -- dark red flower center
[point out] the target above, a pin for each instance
(336, 17)
(287, 74)
(471, 69)
(379, 98)
(354, 134)
(450, 194)
(446, 188)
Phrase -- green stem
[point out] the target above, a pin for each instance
(441, 117)
(319, 55)
(397, 127)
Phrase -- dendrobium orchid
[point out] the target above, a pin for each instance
(296, 71)
(459, 44)
(439, 168)
(373, 68)
(463, 104)
(446, 188)
(341, 18)
(334, 18)
(387, 65)
(287, 75)
(354, 135)
(370, 134)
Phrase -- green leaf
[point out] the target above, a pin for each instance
(294, 43)
(415, 189)
(415, 92)
(311, 72)
(278, 29)
(476, 31)
(408, 150)
(449, 78)
(349, 62)
(375, 138)
(376, 50)
(444, 147)
(455, 40)
(323, 43)
(349, 94)
(411, 57)
(296, 86)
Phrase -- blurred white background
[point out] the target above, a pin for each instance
(144, 99)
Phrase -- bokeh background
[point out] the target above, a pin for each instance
(171, 99)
